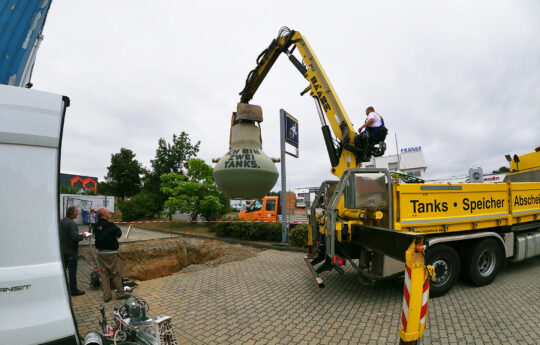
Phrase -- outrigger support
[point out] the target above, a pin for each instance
(415, 294)
(405, 246)
(318, 280)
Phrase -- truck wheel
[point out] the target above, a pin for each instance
(483, 263)
(446, 262)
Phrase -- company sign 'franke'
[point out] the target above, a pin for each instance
(412, 149)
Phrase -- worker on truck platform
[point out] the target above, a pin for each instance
(374, 127)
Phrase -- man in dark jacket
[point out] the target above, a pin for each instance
(107, 235)
(70, 238)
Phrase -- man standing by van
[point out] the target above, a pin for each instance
(70, 237)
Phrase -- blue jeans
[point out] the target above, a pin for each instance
(70, 263)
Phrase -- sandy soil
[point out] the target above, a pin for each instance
(163, 257)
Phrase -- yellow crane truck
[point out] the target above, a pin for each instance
(468, 228)
(376, 222)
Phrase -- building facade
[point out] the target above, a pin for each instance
(307, 194)
(410, 160)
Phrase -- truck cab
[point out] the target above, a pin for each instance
(265, 209)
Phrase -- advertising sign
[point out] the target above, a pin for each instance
(412, 149)
(79, 181)
(291, 130)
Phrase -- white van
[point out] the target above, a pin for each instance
(34, 297)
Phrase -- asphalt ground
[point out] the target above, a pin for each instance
(272, 299)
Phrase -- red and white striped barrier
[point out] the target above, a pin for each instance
(210, 221)
(406, 298)
(250, 221)
(425, 297)
(201, 221)
(144, 221)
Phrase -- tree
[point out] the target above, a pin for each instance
(69, 190)
(170, 158)
(75, 190)
(124, 174)
(194, 193)
(104, 188)
(501, 170)
(173, 158)
(225, 201)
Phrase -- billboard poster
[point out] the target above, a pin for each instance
(291, 130)
(79, 181)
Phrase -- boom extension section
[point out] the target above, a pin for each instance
(332, 115)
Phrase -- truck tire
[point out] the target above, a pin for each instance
(446, 262)
(483, 262)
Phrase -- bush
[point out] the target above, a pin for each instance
(140, 206)
(298, 235)
(249, 231)
(117, 215)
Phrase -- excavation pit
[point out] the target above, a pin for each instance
(159, 258)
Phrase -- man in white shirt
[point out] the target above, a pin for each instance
(374, 132)
(373, 120)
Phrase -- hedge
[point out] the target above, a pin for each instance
(249, 231)
(261, 232)
(298, 235)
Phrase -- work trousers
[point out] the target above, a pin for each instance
(70, 263)
(111, 271)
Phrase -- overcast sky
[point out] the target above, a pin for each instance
(461, 79)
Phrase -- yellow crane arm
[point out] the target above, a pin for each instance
(328, 104)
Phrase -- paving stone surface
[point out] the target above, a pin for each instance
(271, 299)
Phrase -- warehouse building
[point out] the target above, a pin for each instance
(409, 160)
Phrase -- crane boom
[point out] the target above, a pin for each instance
(331, 111)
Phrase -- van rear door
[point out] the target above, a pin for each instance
(34, 297)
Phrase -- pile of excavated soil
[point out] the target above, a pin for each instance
(163, 257)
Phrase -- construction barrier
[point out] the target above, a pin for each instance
(415, 296)
(144, 221)
(200, 221)
(209, 221)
